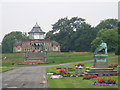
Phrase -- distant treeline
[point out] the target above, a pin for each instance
(74, 34)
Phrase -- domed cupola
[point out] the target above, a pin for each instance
(36, 32)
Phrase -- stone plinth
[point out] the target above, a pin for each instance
(100, 61)
(101, 71)
(100, 66)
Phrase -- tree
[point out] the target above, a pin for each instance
(110, 36)
(0, 48)
(117, 49)
(9, 39)
(73, 34)
(108, 23)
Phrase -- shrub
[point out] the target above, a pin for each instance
(117, 50)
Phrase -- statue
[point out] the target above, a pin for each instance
(102, 46)
(101, 59)
(100, 65)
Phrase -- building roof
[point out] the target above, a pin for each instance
(18, 43)
(36, 29)
(32, 40)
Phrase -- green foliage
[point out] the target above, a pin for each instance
(0, 48)
(117, 50)
(110, 36)
(5, 69)
(76, 35)
(10, 39)
(108, 23)
(73, 34)
(107, 31)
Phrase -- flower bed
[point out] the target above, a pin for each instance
(64, 75)
(56, 73)
(64, 68)
(90, 77)
(113, 65)
(58, 67)
(104, 82)
(70, 69)
(62, 71)
(32, 62)
(80, 64)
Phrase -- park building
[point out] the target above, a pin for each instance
(35, 41)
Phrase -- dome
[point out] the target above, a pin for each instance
(36, 29)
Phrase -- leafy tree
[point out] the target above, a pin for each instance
(117, 49)
(110, 36)
(73, 34)
(10, 39)
(0, 48)
(108, 23)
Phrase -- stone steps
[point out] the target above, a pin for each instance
(35, 56)
(100, 71)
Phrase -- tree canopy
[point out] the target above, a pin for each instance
(73, 34)
(76, 35)
(108, 23)
(10, 39)
(110, 36)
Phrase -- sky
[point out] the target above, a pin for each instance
(22, 16)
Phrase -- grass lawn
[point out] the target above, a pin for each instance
(57, 58)
(66, 82)
(87, 64)
(5, 69)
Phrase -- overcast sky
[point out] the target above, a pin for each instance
(22, 16)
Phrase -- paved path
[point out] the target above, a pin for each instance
(32, 77)
(29, 77)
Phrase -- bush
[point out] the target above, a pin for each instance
(117, 50)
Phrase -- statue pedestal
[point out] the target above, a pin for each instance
(100, 71)
(100, 66)
(100, 61)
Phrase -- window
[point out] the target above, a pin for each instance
(54, 47)
(18, 48)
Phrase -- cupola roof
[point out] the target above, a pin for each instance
(36, 29)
